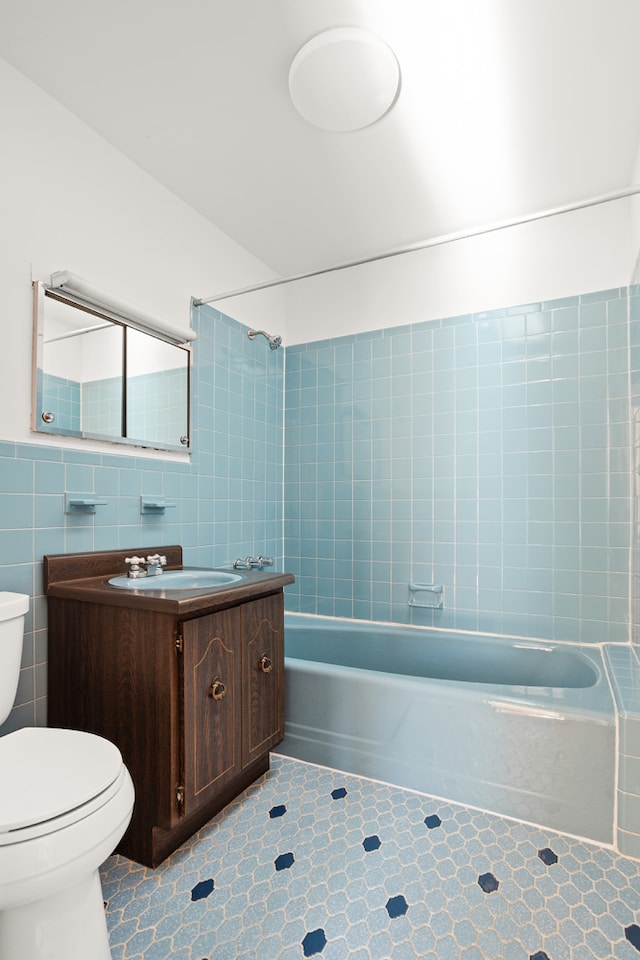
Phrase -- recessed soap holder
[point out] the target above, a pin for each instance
(429, 595)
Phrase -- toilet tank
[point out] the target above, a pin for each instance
(13, 607)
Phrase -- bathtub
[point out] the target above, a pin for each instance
(514, 727)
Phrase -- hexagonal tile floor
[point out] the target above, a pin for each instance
(310, 862)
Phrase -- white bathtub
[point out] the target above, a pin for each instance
(515, 727)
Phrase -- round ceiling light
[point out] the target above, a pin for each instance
(344, 79)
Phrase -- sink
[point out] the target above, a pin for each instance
(179, 580)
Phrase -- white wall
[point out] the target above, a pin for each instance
(635, 223)
(569, 254)
(70, 201)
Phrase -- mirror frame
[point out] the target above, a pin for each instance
(40, 293)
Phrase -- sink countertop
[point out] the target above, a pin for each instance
(199, 601)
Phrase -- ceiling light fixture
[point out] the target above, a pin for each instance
(344, 79)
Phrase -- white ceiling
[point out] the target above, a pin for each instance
(507, 107)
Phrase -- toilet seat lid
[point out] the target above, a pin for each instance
(47, 772)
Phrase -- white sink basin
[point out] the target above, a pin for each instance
(179, 580)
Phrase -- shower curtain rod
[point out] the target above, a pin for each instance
(426, 244)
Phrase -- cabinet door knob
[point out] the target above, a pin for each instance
(218, 689)
(265, 664)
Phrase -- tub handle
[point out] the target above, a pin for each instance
(218, 689)
(265, 664)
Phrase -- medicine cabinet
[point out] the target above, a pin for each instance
(97, 377)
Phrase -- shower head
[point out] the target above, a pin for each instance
(274, 342)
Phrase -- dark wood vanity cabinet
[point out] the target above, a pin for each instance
(233, 694)
(194, 702)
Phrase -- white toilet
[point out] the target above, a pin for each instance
(66, 799)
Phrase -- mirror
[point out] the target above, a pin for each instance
(99, 378)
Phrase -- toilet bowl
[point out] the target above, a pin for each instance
(66, 799)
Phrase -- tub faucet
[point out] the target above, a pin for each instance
(250, 562)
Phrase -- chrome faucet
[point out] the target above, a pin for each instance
(155, 563)
(135, 570)
(250, 563)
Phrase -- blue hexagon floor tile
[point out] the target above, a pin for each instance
(378, 874)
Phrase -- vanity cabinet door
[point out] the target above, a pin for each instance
(263, 676)
(212, 745)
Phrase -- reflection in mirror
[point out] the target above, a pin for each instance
(95, 377)
(157, 383)
(77, 352)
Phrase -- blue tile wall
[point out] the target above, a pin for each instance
(228, 496)
(634, 325)
(489, 453)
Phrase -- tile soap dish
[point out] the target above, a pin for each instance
(82, 503)
(156, 505)
(430, 595)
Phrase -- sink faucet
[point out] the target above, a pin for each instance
(155, 563)
(135, 570)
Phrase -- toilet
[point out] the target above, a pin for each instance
(66, 799)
